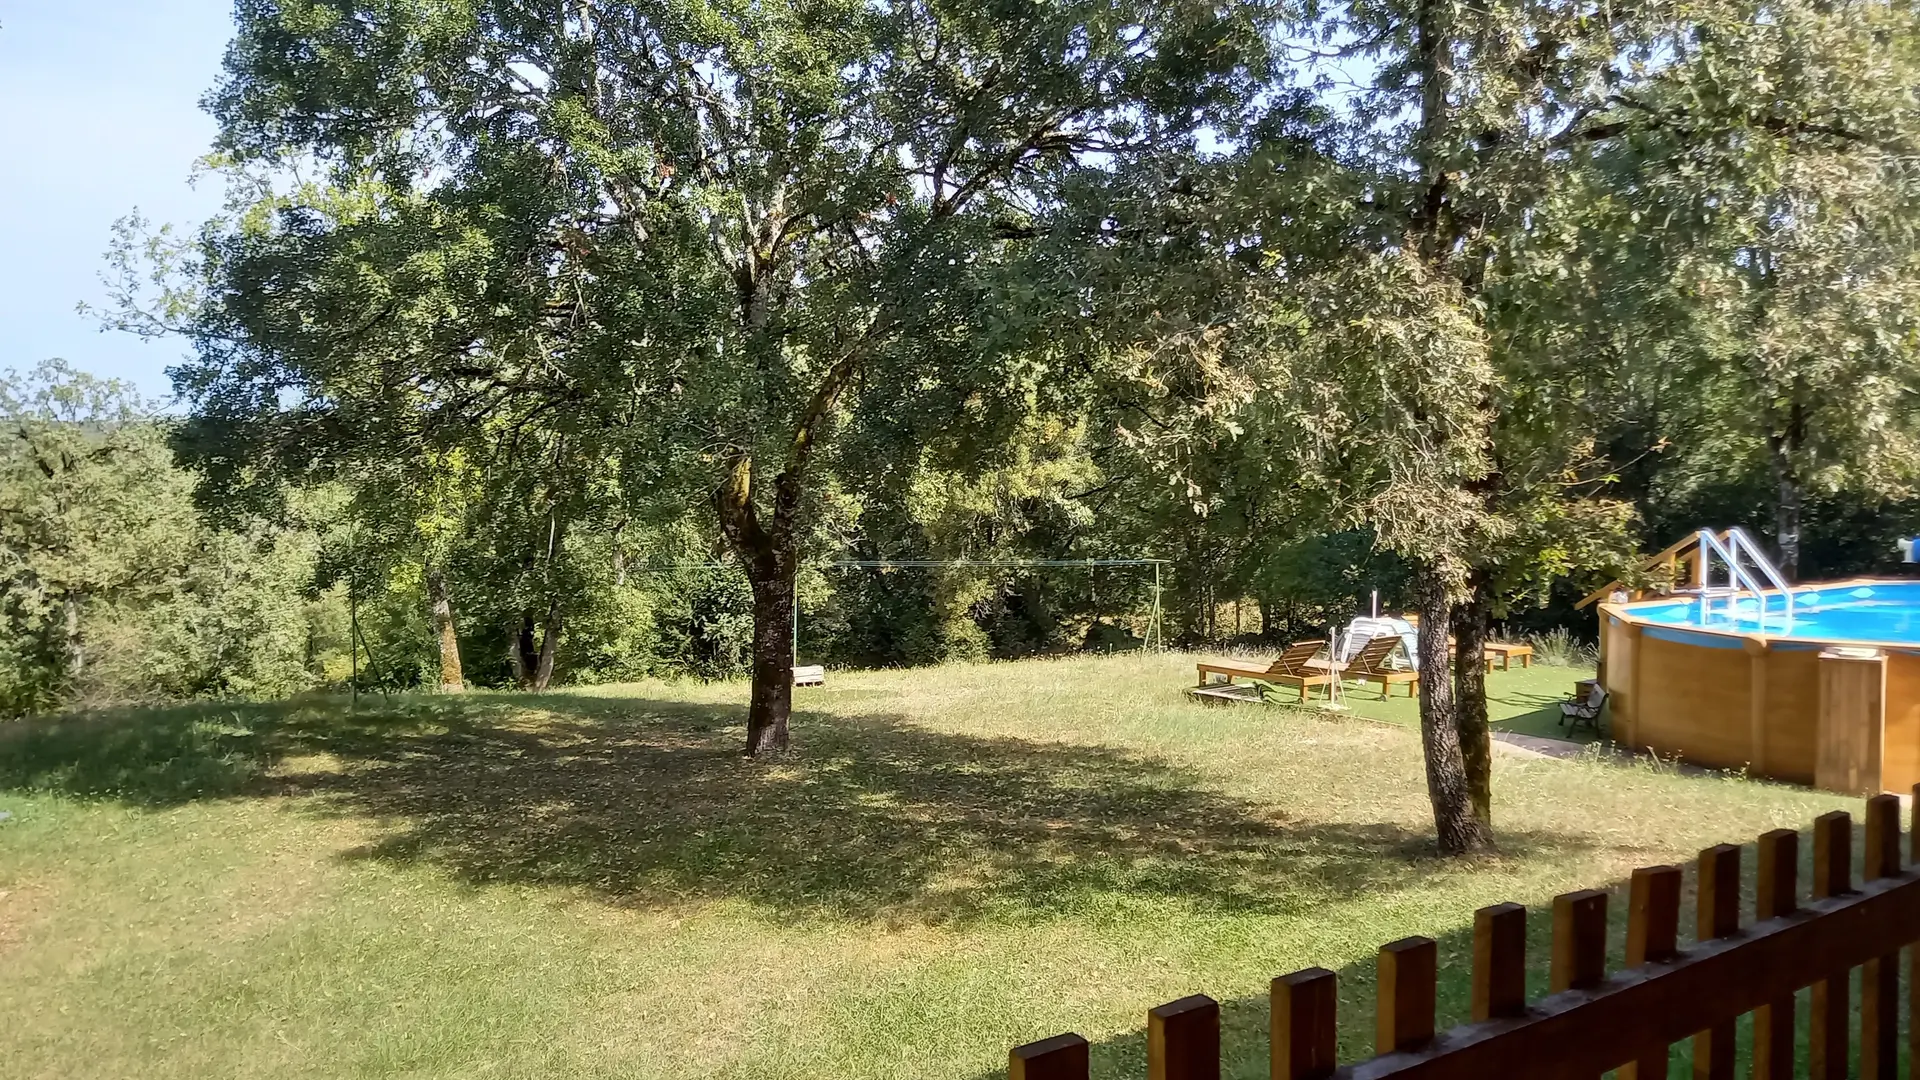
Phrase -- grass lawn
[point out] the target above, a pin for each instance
(596, 884)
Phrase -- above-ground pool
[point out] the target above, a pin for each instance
(1881, 612)
(1828, 696)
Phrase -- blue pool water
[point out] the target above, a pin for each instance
(1888, 613)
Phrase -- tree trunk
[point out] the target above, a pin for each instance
(1786, 525)
(452, 680)
(549, 646)
(1460, 831)
(771, 701)
(770, 557)
(1470, 631)
(1434, 233)
(1783, 448)
(74, 646)
(525, 657)
(771, 551)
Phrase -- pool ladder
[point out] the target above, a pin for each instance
(1747, 568)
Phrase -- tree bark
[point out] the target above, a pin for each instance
(452, 679)
(770, 705)
(73, 645)
(1783, 448)
(1460, 830)
(1433, 58)
(525, 656)
(1471, 621)
(549, 646)
(770, 557)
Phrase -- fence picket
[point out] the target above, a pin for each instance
(1063, 1057)
(1653, 936)
(1579, 940)
(1579, 959)
(1183, 1039)
(1718, 916)
(1776, 896)
(1880, 977)
(1408, 973)
(1499, 961)
(1832, 876)
(1305, 1018)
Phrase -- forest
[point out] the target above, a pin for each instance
(578, 343)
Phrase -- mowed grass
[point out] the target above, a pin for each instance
(597, 884)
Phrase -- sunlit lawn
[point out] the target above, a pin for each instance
(597, 884)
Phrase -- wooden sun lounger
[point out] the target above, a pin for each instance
(1370, 664)
(1295, 668)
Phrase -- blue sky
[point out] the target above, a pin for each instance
(99, 114)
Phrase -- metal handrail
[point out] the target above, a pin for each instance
(1737, 576)
(1739, 542)
(1743, 538)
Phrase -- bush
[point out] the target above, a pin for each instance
(1559, 647)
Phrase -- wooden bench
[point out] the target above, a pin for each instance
(1490, 651)
(1507, 653)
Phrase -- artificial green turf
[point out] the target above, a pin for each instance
(1524, 700)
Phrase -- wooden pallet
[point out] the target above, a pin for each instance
(1226, 693)
(810, 675)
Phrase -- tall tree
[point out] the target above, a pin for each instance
(1264, 305)
(1459, 122)
(89, 514)
(112, 587)
(694, 224)
(1768, 216)
(1476, 122)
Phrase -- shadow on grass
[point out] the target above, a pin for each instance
(1541, 717)
(147, 757)
(1245, 1022)
(649, 803)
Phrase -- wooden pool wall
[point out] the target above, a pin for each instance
(1785, 709)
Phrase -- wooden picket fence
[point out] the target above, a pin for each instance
(1593, 1022)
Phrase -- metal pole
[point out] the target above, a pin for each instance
(1093, 595)
(353, 610)
(1154, 633)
